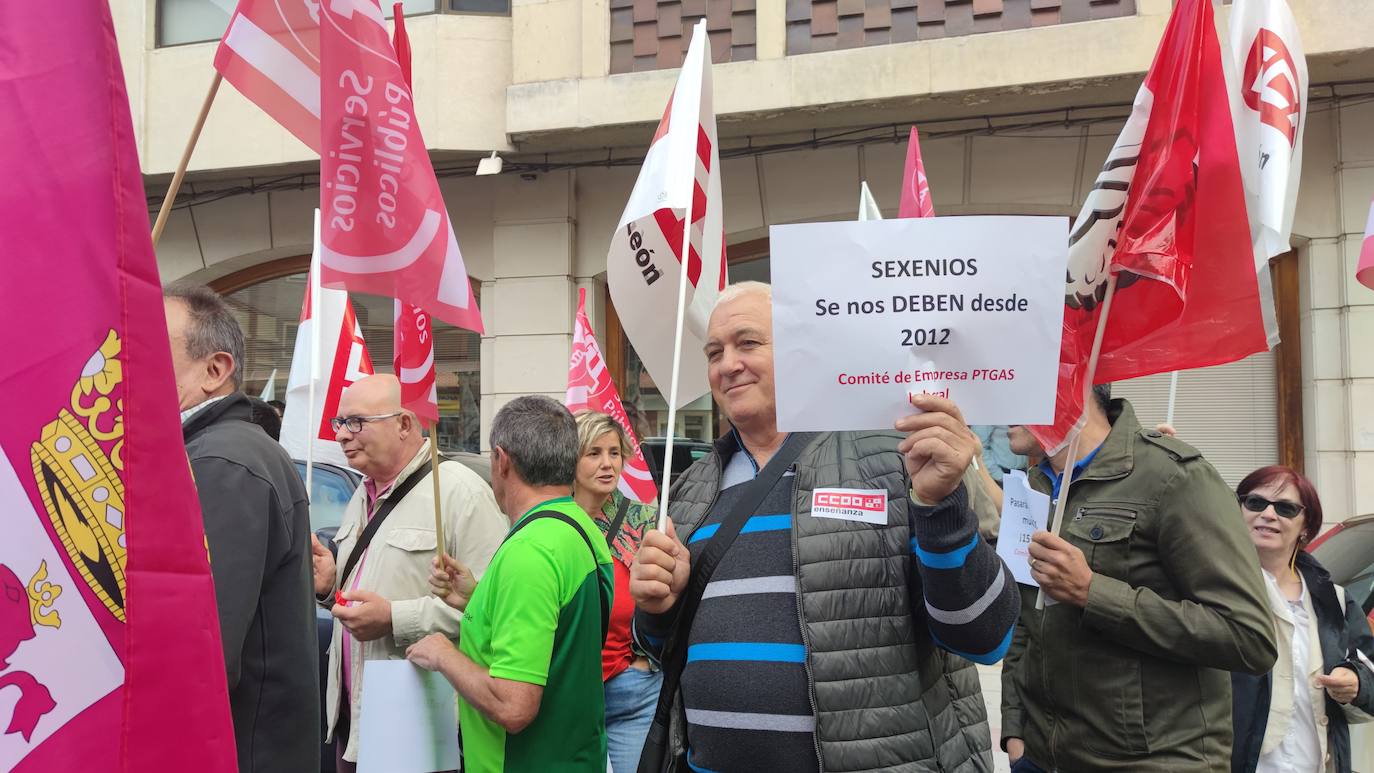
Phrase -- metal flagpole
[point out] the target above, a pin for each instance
(1063, 498)
(1173, 396)
(312, 428)
(677, 366)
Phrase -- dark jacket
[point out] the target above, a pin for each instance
(1138, 680)
(257, 526)
(886, 697)
(1341, 629)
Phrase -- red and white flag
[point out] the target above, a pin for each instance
(915, 188)
(343, 360)
(110, 655)
(680, 176)
(1364, 271)
(1269, 106)
(270, 52)
(413, 331)
(590, 387)
(1167, 215)
(383, 226)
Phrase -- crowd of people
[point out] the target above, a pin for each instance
(1184, 628)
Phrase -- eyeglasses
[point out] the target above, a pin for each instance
(1256, 504)
(355, 423)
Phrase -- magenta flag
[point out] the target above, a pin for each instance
(270, 52)
(915, 189)
(412, 329)
(1364, 272)
(383, 225)
(590, 387)
(108, 631)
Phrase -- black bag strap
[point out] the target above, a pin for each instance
(674, 656)
(369, 531)
(613, 530)
(596, 563)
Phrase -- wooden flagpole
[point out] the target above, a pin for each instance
(172, 190)
(1059, 504)
(439, 551)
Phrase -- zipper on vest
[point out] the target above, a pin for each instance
(806, 640)
(1044, 687)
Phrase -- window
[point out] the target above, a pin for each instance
(269, 312)
(198, 21)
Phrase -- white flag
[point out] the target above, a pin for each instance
(868, 207)
(1269, 103)
(343, 360)
(679, 182)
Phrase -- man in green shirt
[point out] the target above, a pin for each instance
(528, 664)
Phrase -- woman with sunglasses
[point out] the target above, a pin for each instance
(1296, 718)
(631, 682)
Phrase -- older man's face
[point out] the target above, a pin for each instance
(377, 449)
(739, 357)
(189, 373)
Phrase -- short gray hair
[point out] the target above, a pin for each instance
(213, 327)
(740, 289)
(540, 437)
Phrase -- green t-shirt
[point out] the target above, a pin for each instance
(536, 618)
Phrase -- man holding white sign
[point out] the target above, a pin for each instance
(807, 581)
(1159, 595)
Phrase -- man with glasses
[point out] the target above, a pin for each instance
(1158, 596)
(378, 587)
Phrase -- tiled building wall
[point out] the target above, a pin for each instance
(653, 34)
(827, 25)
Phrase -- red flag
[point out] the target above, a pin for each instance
(915, 189)
(108, 629)
(343, 360)
(270, 52)
(1167, 215)
(590, 387)
(681, 172)
(413, 336)
(383, 225)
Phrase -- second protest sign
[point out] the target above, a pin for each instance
(867, 313)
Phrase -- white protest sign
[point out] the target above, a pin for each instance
(1024, 512)
(409, 720)
(866, 313)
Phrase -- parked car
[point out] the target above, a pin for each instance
(331, 490)
(685, 452)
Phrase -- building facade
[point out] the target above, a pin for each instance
(1018, 102)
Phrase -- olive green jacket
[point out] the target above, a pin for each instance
(1137, 680)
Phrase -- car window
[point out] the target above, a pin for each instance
(1349, 556)
(329, 496)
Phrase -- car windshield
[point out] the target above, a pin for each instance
(330, 492)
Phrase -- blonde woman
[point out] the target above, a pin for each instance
(631, 683)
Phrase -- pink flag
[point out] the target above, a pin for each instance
(915, 189)
(270, 52)
(590, 387)
(1365, 271)
(681, 174)
(383, 225)
(110, 656)
(1167, 215)
(343, 360)
(413, 336)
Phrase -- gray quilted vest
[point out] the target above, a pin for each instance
(886, 698)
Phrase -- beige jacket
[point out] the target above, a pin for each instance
(1281, 694)
(397, 567)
